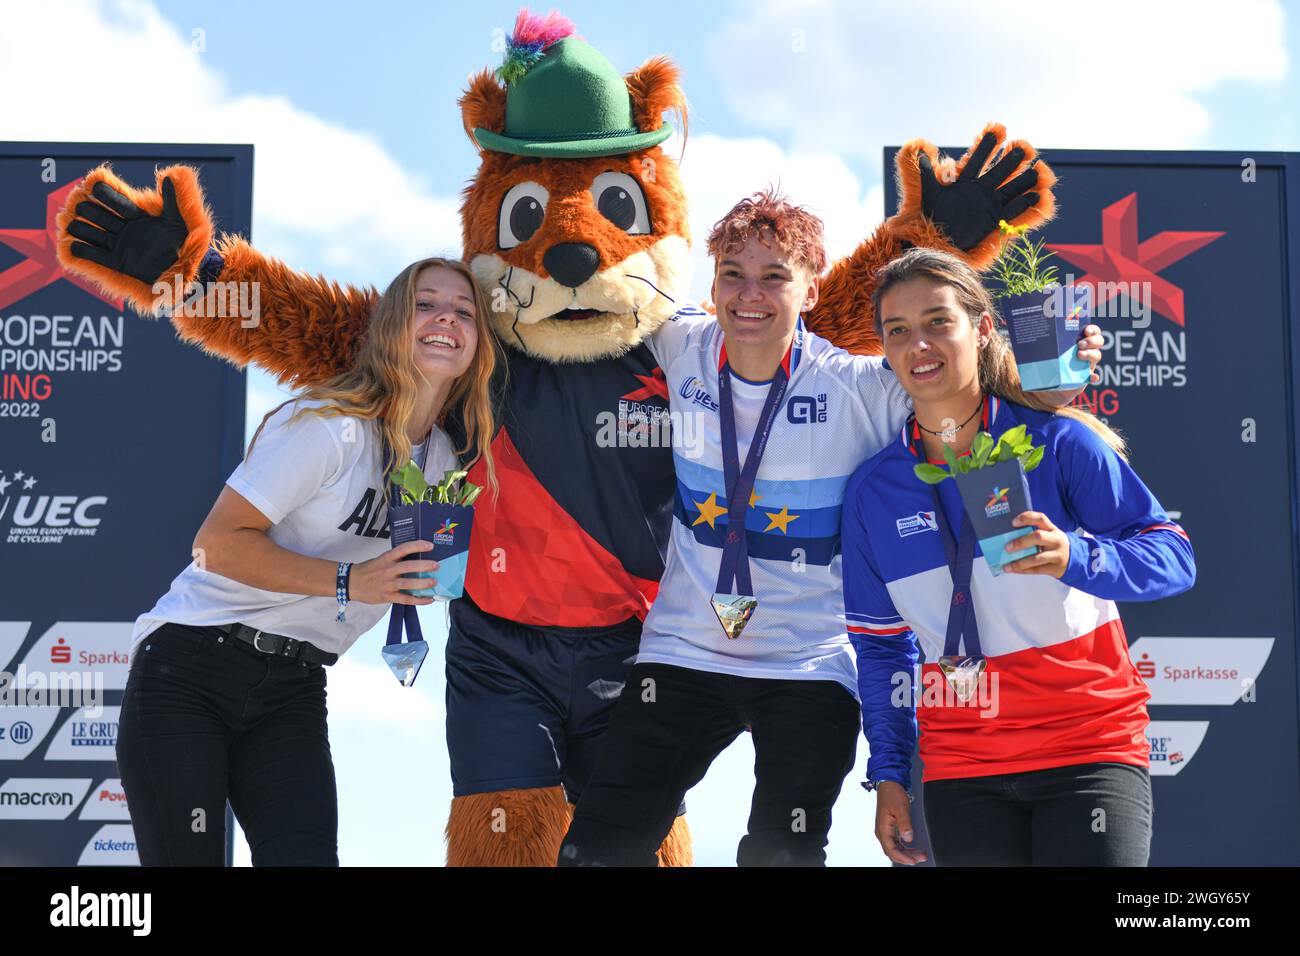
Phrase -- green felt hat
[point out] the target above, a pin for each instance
(571, 103)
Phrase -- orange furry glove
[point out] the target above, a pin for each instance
(127, 239)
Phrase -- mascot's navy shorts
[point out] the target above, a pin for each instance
(527, 707)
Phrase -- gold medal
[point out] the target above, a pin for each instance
(734, 612)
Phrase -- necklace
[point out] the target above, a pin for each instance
(940, 434)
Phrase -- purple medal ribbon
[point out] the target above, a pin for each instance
(961, 558)
(401, 614)
(740, 481)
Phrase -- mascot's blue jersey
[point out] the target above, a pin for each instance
(578, 533)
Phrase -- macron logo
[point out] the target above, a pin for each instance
(102, 909)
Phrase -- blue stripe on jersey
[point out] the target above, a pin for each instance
(807, 522)
(806, 493)
(771, 545)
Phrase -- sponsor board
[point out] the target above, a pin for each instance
(11, 638)
(1200, 670)
(47, 798)
(23, 728)
(112, 845)
(85, 736)
(1173, 744)
(107, 802)
(84, 648)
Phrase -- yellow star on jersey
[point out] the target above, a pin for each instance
(709, 510)
(781, 520)
(753, 498)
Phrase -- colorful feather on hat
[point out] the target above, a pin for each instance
(533, 36)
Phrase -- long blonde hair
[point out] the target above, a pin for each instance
(381, 384)
(998, 374)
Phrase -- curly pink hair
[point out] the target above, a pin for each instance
(775, 220)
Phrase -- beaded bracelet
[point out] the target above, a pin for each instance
(341, 588)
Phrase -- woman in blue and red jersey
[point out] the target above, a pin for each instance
(1046, 763)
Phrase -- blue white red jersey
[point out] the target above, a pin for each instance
(838, 409)
(1059, 688)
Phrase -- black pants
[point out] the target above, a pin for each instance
(1096, 814)
(206, 720)
(669, 725)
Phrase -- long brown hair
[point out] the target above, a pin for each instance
(381, 384)
(998, 374)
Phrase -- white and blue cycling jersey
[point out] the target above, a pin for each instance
(838, 410)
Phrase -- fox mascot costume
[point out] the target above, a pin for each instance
(575, 225)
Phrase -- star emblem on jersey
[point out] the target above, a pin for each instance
(41, 267)
(709, 510)
(655, 386)
(780, 520)
(1121, 259)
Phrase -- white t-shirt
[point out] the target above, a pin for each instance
(318, 480)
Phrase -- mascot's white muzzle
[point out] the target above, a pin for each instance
(579, 312)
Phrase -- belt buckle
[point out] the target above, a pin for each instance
(257, 636)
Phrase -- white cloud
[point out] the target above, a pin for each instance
(385, 218)
(851, 77)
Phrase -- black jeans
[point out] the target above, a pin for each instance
(205, 720)
(1096, 814)
(669, 725)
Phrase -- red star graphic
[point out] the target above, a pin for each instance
(655, 385)
(41, 267)
(1121, 258)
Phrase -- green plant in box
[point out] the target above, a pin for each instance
(1021, 265)
(1014, 444)
(453, 489)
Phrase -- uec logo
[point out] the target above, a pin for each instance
(58, 511)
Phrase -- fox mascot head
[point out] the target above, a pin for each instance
(575, 222)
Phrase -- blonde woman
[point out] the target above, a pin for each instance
(1054, 741)
(226, 695)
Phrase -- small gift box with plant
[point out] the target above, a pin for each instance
(442, 514)
(991, 480)
(1043, 317)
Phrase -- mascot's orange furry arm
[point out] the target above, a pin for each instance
(309, 332)
(575, 225)
(994, 180)
(310, 327)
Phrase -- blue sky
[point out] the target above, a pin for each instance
(360, 157)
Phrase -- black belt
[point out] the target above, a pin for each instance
(277, 645)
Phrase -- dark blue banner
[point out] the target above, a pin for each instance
(116, 440)
(1193, 258)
